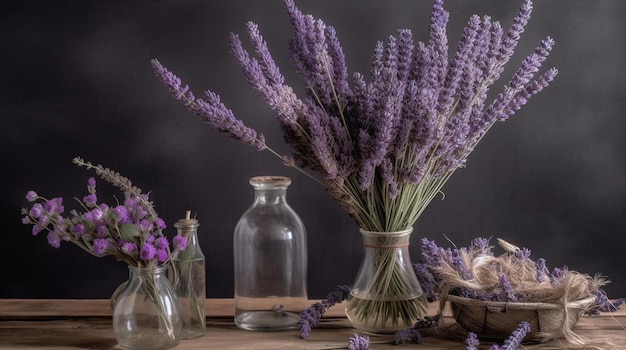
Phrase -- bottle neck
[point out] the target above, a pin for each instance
(270, 196)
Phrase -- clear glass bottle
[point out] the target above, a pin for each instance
(270, 253)
(189, 279)
(146, 312)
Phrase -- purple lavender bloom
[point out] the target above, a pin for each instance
(603, 304)
(472, 341)
(54, 205)
(90, 200)
(542, 270)
(145, 225)
(161, 243)
(522, 254)
(357, 342)
(459, 264)
(213, 112)
(310, 317)
(100, 246)
(179, 242)
(36, 211)
(147, 252)
(162, 255)
(102, 230)
(128, 247)
(426, 280)
(36, 229)
(77, 229)
(25, 220)
(515, 339)
(557, 275)
(481, 244)
(507, 290)
(160, 223)
(91, 182)
(54, 239)
(121, 214)
(31, 196)
(408, 335)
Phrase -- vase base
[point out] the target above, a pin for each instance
(267, 321)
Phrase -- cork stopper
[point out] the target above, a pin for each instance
(187, 221)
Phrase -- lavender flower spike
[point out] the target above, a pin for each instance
(472, 341)
(213, 112)
(408, 335)
(310, 317)
(515, 339)
(357, 342)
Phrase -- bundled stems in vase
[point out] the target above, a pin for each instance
(386, 295)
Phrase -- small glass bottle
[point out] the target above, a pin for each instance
(146, 312)
(189, 280)
(270, 253)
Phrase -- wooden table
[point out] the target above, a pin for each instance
(86, 324)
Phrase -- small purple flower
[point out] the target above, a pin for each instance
(25, 220)
(603, 304)
(77, 229)
(128, 247)
(102, 231)
(160, 223)
(100, 246)
(91, 182)
(121, 214)
(90, 200)
(147, 252)
(146, 226)
(162, 255)
(179, 242)
(542, 270)
(31, 196)
(472, 341)
(36, 211)
(522, 254)
(36, 229)
(357, 342)
(54, 239)
(161, 243)
(408, 335)
(54, 205)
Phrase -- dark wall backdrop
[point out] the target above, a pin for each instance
(76, 80)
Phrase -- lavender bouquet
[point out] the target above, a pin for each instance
(131, 231)
(383, 147)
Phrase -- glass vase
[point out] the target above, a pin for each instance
(146, 313)
(188, 277)
(386, 295)
(270, 253)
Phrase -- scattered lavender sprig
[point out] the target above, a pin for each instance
(358, 342)
(603, 304)
(472, 341)
(511, 343)
(407, 335)
(515, 339)
(310, 317)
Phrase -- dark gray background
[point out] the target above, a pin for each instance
(77, 81)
